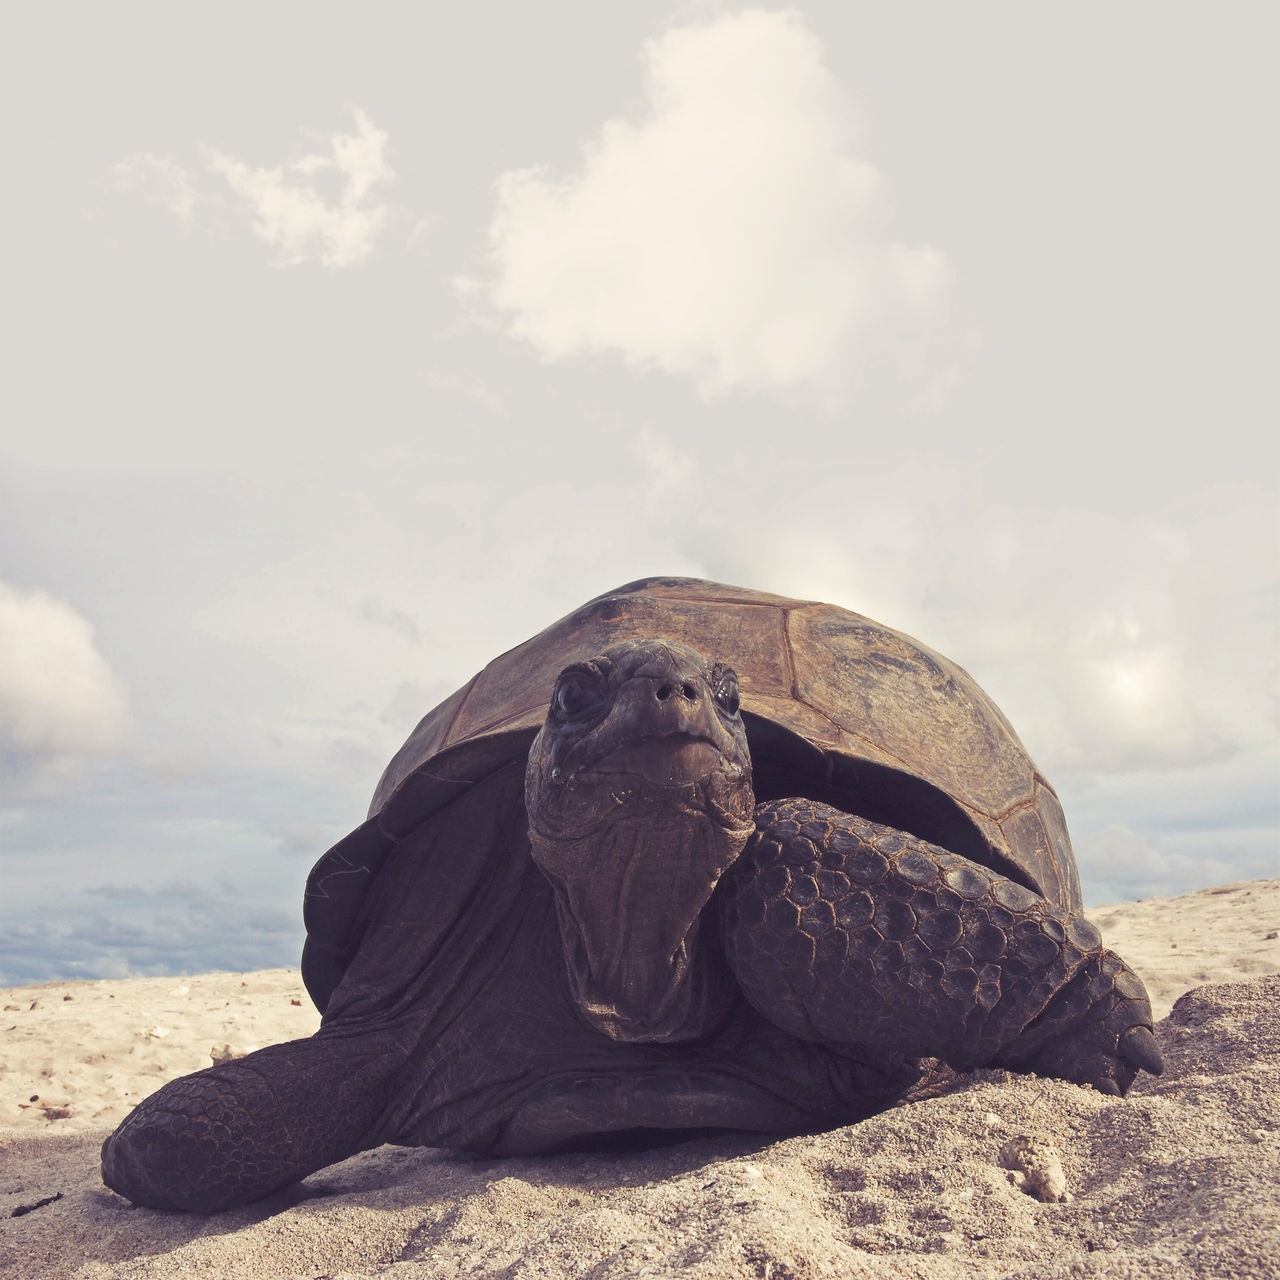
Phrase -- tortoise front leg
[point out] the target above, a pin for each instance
(845, 931)
(241, 1130)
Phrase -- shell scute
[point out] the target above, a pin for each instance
(911, 705)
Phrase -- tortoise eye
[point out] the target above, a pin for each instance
(726, 690)
(578, 694)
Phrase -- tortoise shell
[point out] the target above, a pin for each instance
(837, 707)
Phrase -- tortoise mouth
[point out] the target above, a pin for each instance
(671, 760)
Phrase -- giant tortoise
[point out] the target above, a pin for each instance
(694, 858)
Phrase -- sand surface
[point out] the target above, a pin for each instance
(1005, 1176)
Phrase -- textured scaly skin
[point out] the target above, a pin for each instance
(842, 930)
(241, 1130)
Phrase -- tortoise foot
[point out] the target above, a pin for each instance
(206, 1142)
(1096, 1030)
(239, 1131)
(178, 1149)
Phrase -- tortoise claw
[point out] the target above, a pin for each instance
(1095, 1031)
(1138, 1047)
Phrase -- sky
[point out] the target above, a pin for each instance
(347, 346)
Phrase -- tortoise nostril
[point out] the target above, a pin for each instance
(686, 690)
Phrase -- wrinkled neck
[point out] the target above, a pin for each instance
(629, 900)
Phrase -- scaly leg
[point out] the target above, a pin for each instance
(241, 1130)
(845, 931)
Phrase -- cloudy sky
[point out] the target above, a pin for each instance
(347, 346)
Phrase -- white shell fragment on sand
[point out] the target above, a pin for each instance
(1036, 1167)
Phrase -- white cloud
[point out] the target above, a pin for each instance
(59, 698)
(733, 235)
(1104, 691)
(293, 214)
(1114, 642)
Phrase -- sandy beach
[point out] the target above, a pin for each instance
(1005, 1176)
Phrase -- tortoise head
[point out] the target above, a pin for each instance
(638, 793)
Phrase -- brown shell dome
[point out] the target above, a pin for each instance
(838, 708)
